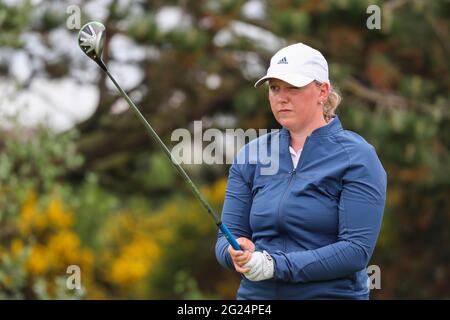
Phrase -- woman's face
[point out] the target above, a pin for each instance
(296, 107)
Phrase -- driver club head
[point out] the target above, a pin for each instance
(91, 39)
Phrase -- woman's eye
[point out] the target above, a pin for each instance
(273, 88)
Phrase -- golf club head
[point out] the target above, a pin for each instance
(91, 39)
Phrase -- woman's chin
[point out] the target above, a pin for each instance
(286, 123)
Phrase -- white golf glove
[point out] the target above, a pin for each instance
(261, 266)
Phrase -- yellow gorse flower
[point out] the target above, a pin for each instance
(135, 261)
(61, 250)
(56, 246)
(31, 220)
(57, 217)
(16, 247)
(39, 261)
(132, 244)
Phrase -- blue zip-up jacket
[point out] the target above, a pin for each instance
(319, 222)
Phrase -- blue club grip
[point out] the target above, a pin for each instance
(229, 237)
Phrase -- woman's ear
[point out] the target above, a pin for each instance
(324, 91)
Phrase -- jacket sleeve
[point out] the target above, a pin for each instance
(235, 212)
(361, 207)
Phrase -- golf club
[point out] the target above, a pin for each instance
(91, 39)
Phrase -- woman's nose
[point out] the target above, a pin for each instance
(282, 96)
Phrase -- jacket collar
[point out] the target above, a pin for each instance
(329, 129)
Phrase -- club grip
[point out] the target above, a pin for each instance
(229, 236)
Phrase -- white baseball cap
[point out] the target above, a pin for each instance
(297, 64)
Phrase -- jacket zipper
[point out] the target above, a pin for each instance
(291, 177)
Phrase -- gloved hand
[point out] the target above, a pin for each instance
(261, 266)
(241, 257)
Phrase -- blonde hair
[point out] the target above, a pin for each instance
(333, 101)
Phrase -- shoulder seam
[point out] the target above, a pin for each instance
(343, 147)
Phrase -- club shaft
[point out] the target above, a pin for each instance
(175, 163)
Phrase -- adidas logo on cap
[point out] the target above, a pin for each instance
(283, 61)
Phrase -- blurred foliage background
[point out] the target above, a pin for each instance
(99, 194)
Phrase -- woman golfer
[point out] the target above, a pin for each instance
(308, 230)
